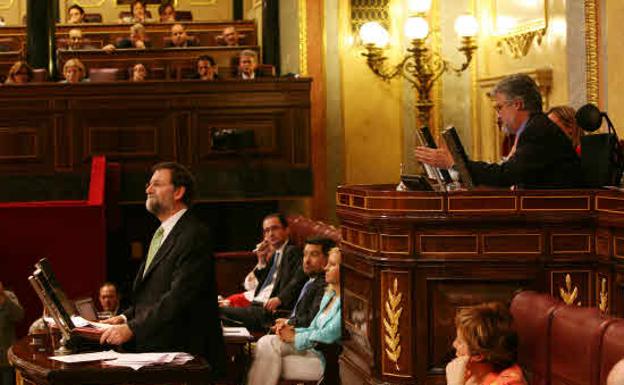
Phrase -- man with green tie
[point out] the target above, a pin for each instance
(174, 304)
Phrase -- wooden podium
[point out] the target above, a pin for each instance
(33, 366)
(411, 259)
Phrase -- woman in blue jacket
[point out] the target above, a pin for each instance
(290, 353)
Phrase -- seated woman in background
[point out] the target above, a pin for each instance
(20, 73)
(290, 353)
(486, 348)
(138, 13)
(564, 117)
(75, 14)
(166, 12)
(74, 72)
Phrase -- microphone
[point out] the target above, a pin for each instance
(589, 117)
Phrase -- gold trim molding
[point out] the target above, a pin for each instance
(519, 41)
(303, 37)
(391, 324)
(603, 296)
(592, 54)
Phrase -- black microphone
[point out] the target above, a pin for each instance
(589, 118)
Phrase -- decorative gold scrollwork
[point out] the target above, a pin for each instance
(604, 296)
(391, 324)
(520, 44)
(569, 295)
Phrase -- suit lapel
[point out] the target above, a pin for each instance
(162, 252)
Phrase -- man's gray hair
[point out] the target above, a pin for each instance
(249, 53)
(520, 86)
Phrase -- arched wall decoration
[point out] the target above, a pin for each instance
(530, 28)
(6, 4)
(363, 11)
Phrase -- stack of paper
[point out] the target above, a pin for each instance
(235, 331)
(131, 360)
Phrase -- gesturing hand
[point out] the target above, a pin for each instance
(116, 335)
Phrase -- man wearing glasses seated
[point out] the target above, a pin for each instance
(542, 156)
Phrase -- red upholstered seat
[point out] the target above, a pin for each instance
(532, 314)
(612, 349)
(575, 340)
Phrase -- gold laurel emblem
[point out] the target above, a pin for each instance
(604, 296)
(569, 295)
(391, 324)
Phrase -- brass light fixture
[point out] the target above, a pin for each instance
(419, 65)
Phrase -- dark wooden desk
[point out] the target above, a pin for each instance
(441, 251)
(34, 367)
(48, 128)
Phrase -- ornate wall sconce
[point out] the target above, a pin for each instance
(419, 65)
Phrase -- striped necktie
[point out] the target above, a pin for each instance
(153, 249)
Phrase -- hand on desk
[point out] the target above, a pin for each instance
(437, 157)
(116, 335)
(116, 320)
(279, 323)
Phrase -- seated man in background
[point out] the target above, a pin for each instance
(136, 40)
(486, 348)
(230, 36)
(75, 14)
(179, 38)
(542, 156)
(109, 300)
(248, 65)
(315, 257)
(139, 73)
(166, 13)
(11, 312)
(206, 68)
(74, 72)
(137, 13)
(279, 280)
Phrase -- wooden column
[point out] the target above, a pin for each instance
(40, 28)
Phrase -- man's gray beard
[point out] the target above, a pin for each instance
(153, 208)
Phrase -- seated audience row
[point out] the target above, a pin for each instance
(178, 38)
(138, 13)
(205, 68)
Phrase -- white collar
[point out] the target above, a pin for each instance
(170, 222)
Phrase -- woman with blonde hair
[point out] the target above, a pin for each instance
(290, 352)
(565, 118)
(74, 71)
(20, 73)
(486, 348)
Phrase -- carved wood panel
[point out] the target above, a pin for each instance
(572, 286)
(396, 332)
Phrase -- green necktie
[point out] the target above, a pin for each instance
(153, 249)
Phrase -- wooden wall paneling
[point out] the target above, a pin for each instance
(395, 329)
(617, 293)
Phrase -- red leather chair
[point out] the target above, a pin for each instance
(612, 349)
(532, 313)
(99, 75)
(575, 341)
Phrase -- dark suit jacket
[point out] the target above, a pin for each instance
(544, 158)
(290, 277)
(308, 306)
(174, 306)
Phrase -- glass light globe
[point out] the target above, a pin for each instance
(373, 33)
(466, 26)
(416, 28)
(419, 6)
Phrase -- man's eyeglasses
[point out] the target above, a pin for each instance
(499, 107)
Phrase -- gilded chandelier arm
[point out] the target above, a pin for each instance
(377, 63)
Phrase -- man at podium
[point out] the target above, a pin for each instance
(174, 304)
(542, 156)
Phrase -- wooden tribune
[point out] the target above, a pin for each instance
(411, 259)
(34, 367)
